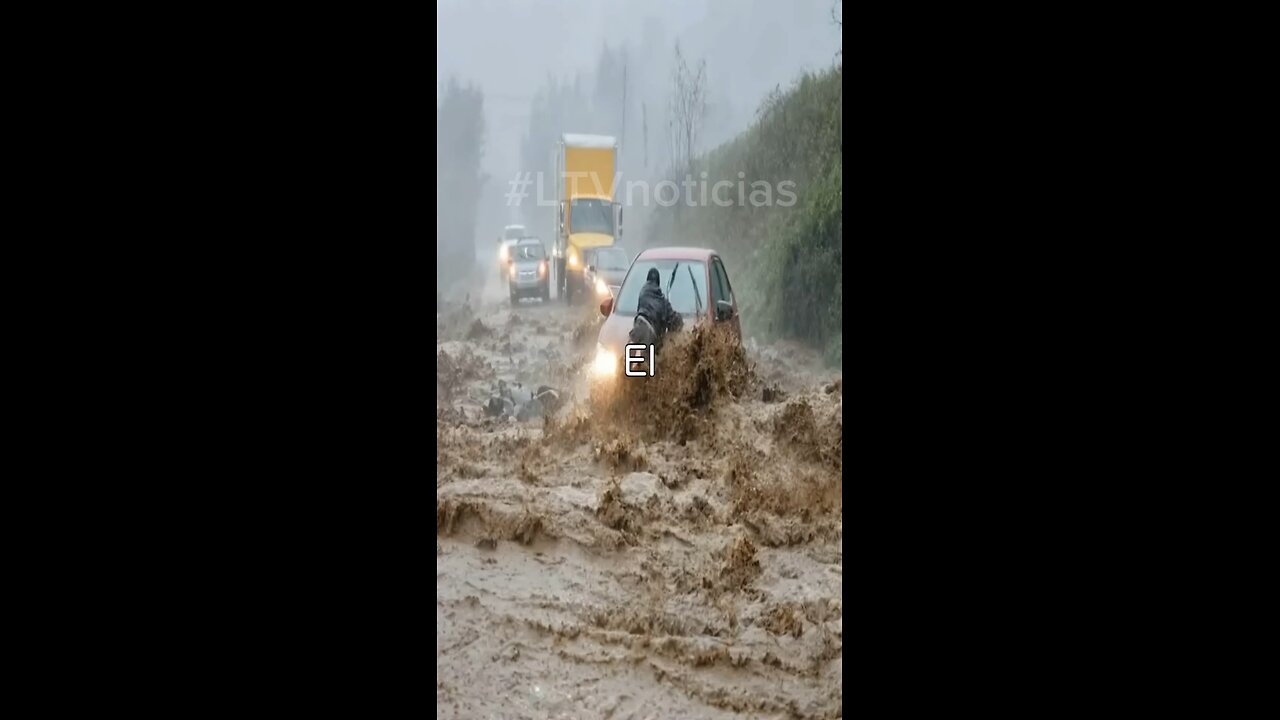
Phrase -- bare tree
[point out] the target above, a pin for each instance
(688, 110)
(837, 18)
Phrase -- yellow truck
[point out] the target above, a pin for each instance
(590, 217)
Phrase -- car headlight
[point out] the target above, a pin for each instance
(605, 364)
(573, 258)
(513, 272)
(601, 289)
(502, 253)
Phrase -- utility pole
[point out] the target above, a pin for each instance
(644, 126)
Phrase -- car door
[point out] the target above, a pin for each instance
(722, 290)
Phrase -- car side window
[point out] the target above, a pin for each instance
(723, 289)
(717, 284)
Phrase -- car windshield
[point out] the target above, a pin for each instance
(588, 215)
(612, 259)
(515, 232)
(683, 282)
(528, 251)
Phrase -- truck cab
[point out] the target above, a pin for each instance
(591, 225)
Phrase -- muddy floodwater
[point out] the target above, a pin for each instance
(671, 553)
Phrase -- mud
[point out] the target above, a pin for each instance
(701, 370)
(670, 549)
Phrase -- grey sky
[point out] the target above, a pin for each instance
(510, 47)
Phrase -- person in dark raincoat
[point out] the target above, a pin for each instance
(654, 315)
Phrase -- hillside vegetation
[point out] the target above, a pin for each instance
(460, 135)
(785, 261)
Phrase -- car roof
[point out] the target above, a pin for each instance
(529, 240)
(677, 253)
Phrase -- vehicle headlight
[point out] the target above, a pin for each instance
(605, 364)
(502, 253)
(601, 288)
(573, 258)
(513, 272)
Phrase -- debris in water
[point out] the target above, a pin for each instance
(478, 330)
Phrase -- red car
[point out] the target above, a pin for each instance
(694, 281)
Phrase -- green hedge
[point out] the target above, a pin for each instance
(785, 261)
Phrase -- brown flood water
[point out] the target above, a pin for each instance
(672, 553)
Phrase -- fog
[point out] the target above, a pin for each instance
(510, 50)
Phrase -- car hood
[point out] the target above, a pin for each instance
(616, 330)
(612, 277)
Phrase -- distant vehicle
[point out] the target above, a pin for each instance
(510, 234)
(694, 281)
(527, 274)
(588, 213)
(606, 267)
